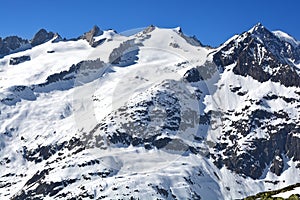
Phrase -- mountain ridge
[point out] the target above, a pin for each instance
(155, 113)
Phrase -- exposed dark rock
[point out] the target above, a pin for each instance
(89, 36)
(261, 55)
(270, 97)
(99, 42)
(14, 42)
(43, 189)
(160, 143)
(174, 45)
(23, 92)
(262, 152)
(193, 40)
(18, 93)
(149, 29)
(18, 60)
(41, 37)
(162, 191)
(247, 54)
(207, 70)
(242, 93)
(11, 44)
(203, 72)
(37, 177)
(89, 163)
(277, 165)
(42, 153)
(192, 75)
(141, 127)
(235, 89)
(118, 55)
(87, 70)
(278, 47)
(292, 146)
(1, 43)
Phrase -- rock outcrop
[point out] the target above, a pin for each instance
(41, 37)
(18, 60)
(89, 36)
(11, 44)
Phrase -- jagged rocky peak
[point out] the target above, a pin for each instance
(261, 55)
(11, 43)
(192, 40)
(279, 42)
(263, 33)
(89, 36)
(257, 28)
(265, 36)
(149, 29)
(41, 37)
(258, 33)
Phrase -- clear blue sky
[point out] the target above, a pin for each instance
(212, 21)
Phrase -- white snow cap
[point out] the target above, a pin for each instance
(286, 37)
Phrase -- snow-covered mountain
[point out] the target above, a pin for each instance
(153, 115)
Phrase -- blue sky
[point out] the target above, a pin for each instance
(213, 22)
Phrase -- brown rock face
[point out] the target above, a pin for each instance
(89, 36)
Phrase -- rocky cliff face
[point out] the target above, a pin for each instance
(262, 56)
(89, 36)
(10, 44)
(41, 37)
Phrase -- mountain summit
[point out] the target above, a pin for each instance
(153, 115)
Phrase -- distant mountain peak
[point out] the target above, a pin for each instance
(149, 29)
(89, 36)
(259, 29)
(11, 44)
(192, 40)
(41, 37)
(272, 57)
(258, 25)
